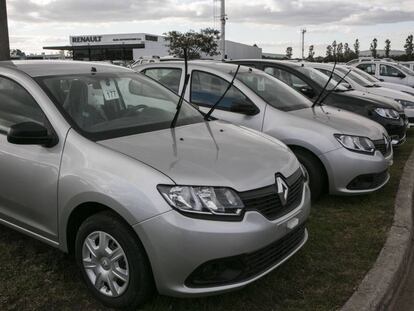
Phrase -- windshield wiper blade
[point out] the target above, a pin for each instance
(181, 100)
(333, 89)
(207, 116)
(326, 85)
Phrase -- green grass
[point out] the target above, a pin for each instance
(346, 236)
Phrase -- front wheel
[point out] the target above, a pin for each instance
(113, 262)
(316, 172)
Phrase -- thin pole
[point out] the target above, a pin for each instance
(223, 29)
(303, 43)
(4, 32)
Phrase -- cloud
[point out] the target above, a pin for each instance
(271, 12)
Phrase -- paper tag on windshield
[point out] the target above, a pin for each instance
(261, 85)
(109, 90)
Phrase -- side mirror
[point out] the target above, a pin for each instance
(244, 108)
(307, 91)
(401, 75)
(30, 133)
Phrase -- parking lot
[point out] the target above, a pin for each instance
(347, 234)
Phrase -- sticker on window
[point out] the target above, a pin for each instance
(109, 90)
(261, 85)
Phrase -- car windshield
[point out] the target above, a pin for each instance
(108, 105)
(321, 79)
(365, 75)
(273, 91)
(405, 70)
(355, 77)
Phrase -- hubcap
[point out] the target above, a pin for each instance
(105, 264)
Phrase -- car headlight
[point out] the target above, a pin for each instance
(405, 103)
(215, 201)
(356, 143)
(388, 113)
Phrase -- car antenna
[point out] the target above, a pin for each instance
(333, 89)
(180, 101)
(326, 85)
(207, 116)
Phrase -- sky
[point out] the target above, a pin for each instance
(271, 24)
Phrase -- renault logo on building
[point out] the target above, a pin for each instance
(282, 190)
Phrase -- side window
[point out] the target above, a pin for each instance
(368, 68)
(206, 90)
(17, 105)
(288, 78)
(389, 71)
(169, 77)
(335, 77)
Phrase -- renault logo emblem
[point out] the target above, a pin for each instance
(282, 190)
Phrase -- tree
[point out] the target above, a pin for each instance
(373, 47)
(196, 43)
(409, 47)
(329, 53)
(340, 51)
(387, 48)
(334, 44)
(311, 53)
(4, 32)
(348, 54)
(289, 52)
(356, 47)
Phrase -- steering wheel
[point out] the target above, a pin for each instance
(132, 110)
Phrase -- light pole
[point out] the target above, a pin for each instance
(303, 42)
(4, 32)
(223, 19)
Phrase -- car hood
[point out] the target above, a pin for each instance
(342, 121)
(390, 93)
(379, 101)
(396, 86)
(213, 153)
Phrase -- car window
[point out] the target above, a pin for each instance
(206, 90)
(169, 77)
(107, 105)
(17, 105)
(273, 91)
(290, 79)
(389, 71)
(368, 68)
(335, 77)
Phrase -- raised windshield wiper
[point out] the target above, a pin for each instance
(333, 89)
(324, 88)
(207, 116)
(181, 100)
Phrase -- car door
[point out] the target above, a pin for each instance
(392, 74)
(28, 173)
(207, 88)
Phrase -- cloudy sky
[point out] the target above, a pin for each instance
(271, 24)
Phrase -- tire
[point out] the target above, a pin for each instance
(317, 175)
(126, 265)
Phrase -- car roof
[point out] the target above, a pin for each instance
(37, 68)
(272, 61)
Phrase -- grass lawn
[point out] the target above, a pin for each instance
(346, 236)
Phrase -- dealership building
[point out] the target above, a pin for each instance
(134, 46)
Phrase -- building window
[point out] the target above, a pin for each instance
(151, 38)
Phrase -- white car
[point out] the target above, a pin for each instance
(388, 72)
(409, 65)
(358, 82)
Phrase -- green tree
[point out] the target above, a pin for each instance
(289, 52)
(340, 52)
(311, 53)
(196, 43)
(387, 48)
(329, 53)
(373, 47)
(409, 46)
(334, 45)
(356, 47)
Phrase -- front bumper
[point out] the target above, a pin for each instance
(177, 245)
(396, 129)
(344, 167)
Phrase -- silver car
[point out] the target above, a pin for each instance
(91, 164)
(343, 153)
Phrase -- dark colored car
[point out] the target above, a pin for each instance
(310, 83)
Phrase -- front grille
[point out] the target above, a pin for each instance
(382, 147)
(267, 202)
(243, 267)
